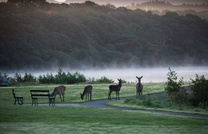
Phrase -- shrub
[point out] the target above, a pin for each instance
(4, 80)
(105, 80)
(28, 77)
(46, 79)
(199, 91)
(61, 78)
(172, 85)
(18, 77)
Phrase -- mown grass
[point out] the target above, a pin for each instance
(79, 119)
(72, 93)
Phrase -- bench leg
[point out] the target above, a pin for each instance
(16, 99)
(20, 100)
(35, 101)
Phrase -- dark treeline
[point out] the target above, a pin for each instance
(39, 35)
(61, 77)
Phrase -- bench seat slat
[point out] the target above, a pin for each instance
(39, 90)
(40, 95)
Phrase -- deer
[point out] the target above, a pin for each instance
(115, 88)
(87, 92)
(139, 86)
(59, 90)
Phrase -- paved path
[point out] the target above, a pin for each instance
(102, 104)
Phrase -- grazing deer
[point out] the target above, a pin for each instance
(115, 88)
(88, 92)
(139, 86)
(59, 90)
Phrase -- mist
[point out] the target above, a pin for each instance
(157, 74)
(124, 3)
(150, 74)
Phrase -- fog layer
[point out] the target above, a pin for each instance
(157, 74)
(149, 74)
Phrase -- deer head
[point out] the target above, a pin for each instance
(82, 96)
(139, 78)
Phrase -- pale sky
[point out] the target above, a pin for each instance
(128, 2)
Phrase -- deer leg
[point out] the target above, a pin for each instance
(109, 95)
(118, 96)
(60, 97)
(90, 96)
(140, 92)
(63, 97)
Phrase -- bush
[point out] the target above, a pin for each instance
(172, 85)
(4, 80)
(199, 91)
(28, 77)
(105, 80)
(61, 78)
(46, 79)
(101, 80)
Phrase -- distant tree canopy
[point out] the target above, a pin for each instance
(25, 1)
(87, 35)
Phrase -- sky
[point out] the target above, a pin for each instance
(128, 2)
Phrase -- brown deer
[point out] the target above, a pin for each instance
(59, 90)
(87, 92)
(115, 88)
(139, 86)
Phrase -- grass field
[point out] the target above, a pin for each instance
(79, 119)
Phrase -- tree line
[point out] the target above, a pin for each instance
(61, 77)
(161, 7)
(37, 35)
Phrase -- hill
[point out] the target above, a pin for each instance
(39, 35)
(162, 7)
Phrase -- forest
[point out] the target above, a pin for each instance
(161, 7)
(37, 35)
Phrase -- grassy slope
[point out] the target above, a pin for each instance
(44, 119)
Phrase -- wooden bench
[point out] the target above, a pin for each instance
(41, 94)
(18, 99)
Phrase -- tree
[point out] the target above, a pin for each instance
(172, 85)
(199, 91)
(26, 1)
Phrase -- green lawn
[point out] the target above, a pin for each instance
(80, 119)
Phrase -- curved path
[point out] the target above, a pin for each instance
(102, 104)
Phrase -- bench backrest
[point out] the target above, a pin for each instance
(39, 93)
